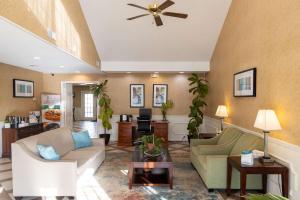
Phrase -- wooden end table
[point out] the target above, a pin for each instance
(257, 168)
(140, 170)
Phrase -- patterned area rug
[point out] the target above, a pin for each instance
(110, 182)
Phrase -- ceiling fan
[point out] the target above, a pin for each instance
(156, 10)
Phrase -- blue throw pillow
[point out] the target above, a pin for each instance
(82, 139)
(47, 152)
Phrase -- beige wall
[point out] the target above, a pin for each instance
(18, 106)
(118, 89)
(64, 17)
(264, 34)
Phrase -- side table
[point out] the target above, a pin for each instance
(257, 168)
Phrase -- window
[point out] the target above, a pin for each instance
(88, 105)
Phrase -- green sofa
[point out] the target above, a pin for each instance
(209, 157)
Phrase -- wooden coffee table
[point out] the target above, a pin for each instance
(142, 169)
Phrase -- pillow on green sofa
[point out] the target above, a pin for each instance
(229, 134)
(247, 142)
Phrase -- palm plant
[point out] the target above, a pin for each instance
(199, 89)
(104, 102)
(165, 107)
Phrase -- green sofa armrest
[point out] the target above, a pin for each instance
(211, 141)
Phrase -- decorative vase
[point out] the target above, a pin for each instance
(164, 116)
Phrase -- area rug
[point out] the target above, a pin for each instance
(111, 181)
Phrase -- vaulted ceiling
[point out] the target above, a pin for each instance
(140, 45)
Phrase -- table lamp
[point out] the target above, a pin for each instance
(267, 121)
(222, 113)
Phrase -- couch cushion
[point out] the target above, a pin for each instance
(247, 142)
(61, 139)
(83, 156)
(229, 134)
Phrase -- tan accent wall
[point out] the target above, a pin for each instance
(64, 17)
(18, 106)
(118, 89)
(263, 34)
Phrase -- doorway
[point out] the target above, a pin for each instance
(79, 107)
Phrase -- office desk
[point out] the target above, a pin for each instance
(161, 129)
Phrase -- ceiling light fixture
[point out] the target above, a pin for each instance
(181, 72)
(61, 66)
(36, 58)
(128, 72)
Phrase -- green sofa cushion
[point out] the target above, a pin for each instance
(247, 142)
(229, 134)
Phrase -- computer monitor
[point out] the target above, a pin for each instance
(145, 113)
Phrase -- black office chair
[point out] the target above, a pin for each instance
(143, 125)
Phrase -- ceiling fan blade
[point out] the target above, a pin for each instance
(137, 6)
(172, 14)
(131, 18)
(158, 20)
(165, 5)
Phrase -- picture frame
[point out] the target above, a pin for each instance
(23, 88)
(159, 95)
(244, 83)
(137, 95)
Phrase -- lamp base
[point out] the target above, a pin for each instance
(266, 160)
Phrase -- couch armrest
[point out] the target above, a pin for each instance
(98, 141)
(211, 141)
(30, 172)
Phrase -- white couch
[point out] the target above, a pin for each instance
(34, 176)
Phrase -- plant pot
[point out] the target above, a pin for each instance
(189, 138)
(106, 137)
(150, 146)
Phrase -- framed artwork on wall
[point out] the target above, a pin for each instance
(160, 94)
(245, 83)
(137, 95)
(23, 88)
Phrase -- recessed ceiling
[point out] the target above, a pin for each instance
(188, 41)
(21, 48)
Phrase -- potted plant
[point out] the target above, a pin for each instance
(199, 89)
(265, 197)
(151, 144)
(106, 112)
(165, 107)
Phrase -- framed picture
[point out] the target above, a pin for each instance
(23, 88)
(160, 94)
(137, 95)
(245, 83)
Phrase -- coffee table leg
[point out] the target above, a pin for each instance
(130, 175)
(229, 174)
(171, 177)
(243, 179)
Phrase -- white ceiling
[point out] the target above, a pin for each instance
(188, 41)
(18, 47)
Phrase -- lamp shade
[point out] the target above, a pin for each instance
(222, 111)
(267, 120)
